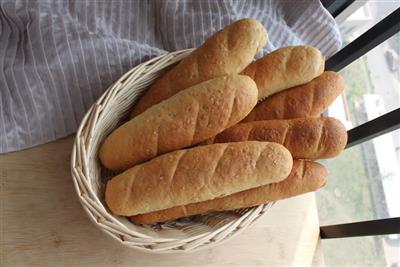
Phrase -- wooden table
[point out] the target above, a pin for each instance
(42, 223)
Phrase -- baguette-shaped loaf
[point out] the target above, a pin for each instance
(227, 52)
(306, 176)
(308, 100)
(305, 138)
(187, 118)
(197, 174)
(284, 68)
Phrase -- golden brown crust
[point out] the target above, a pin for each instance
(228, 51)
(308, 100)
(197, 174)
(185, 119)
(305, 138)
(305, 177)
(285, 68)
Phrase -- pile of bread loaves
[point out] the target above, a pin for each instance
(197, 140)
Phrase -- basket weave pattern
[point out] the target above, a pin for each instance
(188, 234)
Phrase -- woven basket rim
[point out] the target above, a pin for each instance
(91, 202)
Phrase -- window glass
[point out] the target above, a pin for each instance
(372, 85)
(362, 251)
(362, 15)
(363, 183)
(372, 89)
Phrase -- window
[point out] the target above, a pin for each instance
(372, 85)
(364, 181)
(361, 16)
(362, 251)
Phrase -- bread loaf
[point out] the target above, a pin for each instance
(305, 177)
(228, 51)
(308, 100)
(305, 138)
(284, 68)
(196, 174)
(185, 119)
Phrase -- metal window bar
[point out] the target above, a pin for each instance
(374, 128)
(371, 129)
(382, 31)
(335, 7)
(365, 228)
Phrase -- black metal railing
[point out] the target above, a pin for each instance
(335, 7)
(375, 227)
(367, 41)
(371, 129)
(374, 128)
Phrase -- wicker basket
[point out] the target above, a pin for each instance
(188, 234)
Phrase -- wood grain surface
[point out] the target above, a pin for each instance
(43, 224)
